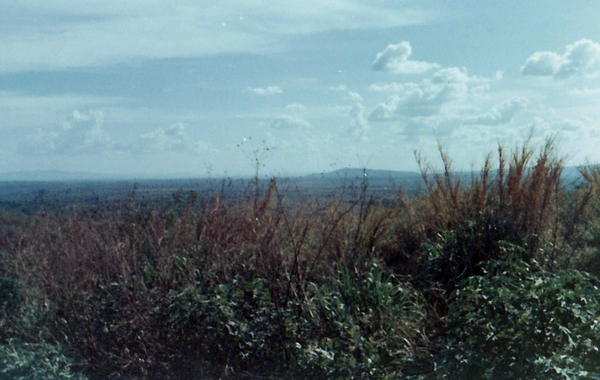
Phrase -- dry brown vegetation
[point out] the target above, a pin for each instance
(240, 286)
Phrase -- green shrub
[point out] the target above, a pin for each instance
(35, 361)
(457, 254)
(519, 322)
(361, 327)
(224, 328)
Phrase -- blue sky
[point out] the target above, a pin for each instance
(200, 86)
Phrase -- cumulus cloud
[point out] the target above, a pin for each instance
(420, 99)
(417, 100)
(357, 125)
(82, 133)
(579, 58)
(169, 139)
(448, 90)
(453, 75)
(258, 91)
(396, 58)
(387, 111)
(543, 63)
(503, 113)
(289, 122)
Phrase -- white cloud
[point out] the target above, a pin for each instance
(503, 113)
(396, 58)
(258, 91)
(453, 75)
(82, 133)
(355, 97)
(357, 125)
(420, 99)
(59, 34)
(169, 139)
(22, 110)
(580, 58)
(289, 122)
(543, 63)
(449, 91)
(387, 111)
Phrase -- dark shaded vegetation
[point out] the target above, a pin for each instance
(491, 276)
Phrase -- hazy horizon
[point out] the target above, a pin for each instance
(198, 87)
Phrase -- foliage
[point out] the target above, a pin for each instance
(35, 361)
(519, 322)
(362, 327)
(473, 278)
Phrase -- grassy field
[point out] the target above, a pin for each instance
(490, 276)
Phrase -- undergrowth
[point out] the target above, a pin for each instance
(464, 280)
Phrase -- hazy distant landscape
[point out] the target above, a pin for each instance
(57, 187)
(19, 189)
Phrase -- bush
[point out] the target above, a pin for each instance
(361, 327)
(35, 361)
(519, 322)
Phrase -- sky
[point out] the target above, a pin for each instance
(216, 88)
